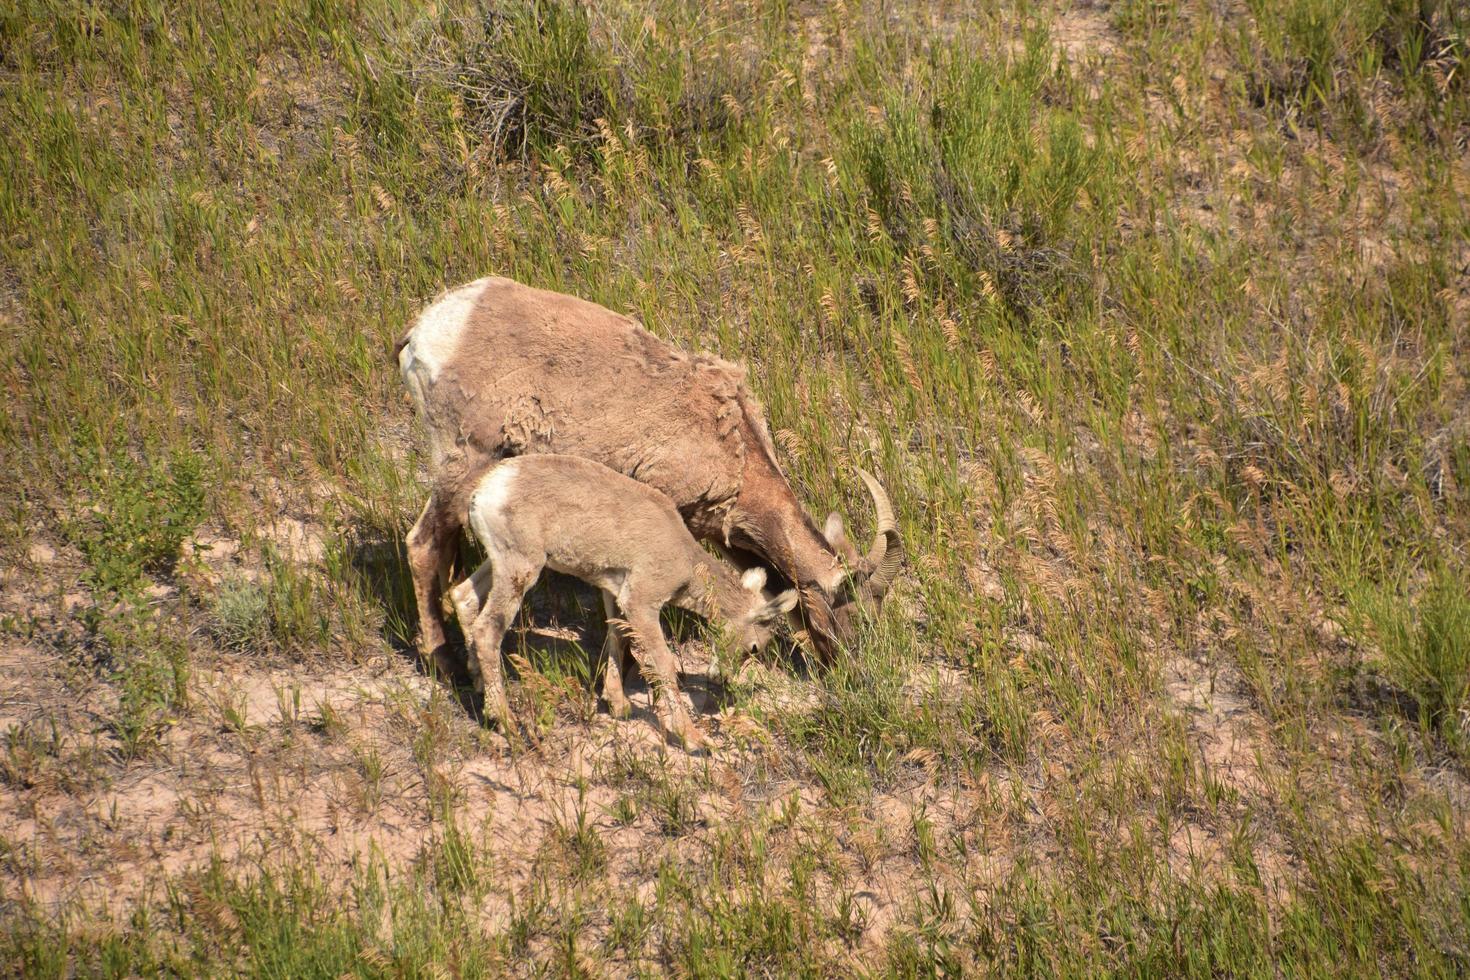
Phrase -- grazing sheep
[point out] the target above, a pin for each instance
(499, 369)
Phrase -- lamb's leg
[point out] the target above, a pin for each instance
(430, 552)
(511, 579)
(472, 592)
(614, 649)
(468, 598)
(662, 670)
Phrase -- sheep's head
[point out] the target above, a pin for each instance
(833, 618)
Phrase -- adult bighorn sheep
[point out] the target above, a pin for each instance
(497, 368)
(580, 518)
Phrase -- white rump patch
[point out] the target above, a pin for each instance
(436, 333)
(490, 500)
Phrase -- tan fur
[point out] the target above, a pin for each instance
(532, 371)
(580, 518)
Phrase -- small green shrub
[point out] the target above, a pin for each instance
(136, 515)
(530, 75)
(149, 666)
(861, 726)
(453, 860)
(287, 608)
(28, 750)
(529, 78)
(579, 840)
(1317, 53)
(1424, 36)
(300, 605)
(1304, 45)
(991, 168)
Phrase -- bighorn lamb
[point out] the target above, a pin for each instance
(580, 518)
(498, 369)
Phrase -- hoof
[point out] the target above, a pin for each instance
(692, 740)
(498, 710)
(444, 663)
(621, 710)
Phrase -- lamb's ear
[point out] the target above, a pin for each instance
(754, 579)
(783, 603)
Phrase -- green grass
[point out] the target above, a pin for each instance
(1424, 652)
(1158, 352)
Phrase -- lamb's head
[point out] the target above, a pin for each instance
(754, 626)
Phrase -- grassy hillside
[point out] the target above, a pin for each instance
(1152, 316)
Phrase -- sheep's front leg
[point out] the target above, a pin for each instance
(430, 551)
(662, 670)
(614, 649)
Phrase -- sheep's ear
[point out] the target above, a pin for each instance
(836, 534)
(834, 531)
(754, 579)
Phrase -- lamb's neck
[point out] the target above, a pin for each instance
(716, 590)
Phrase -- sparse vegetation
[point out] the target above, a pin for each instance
(149, 667)
(1152, 315)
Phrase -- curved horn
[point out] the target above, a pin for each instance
(887, 571)
(886, 553)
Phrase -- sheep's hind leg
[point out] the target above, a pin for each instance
(469, 598)
(614, 651)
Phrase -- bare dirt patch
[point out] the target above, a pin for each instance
(1082, 30)
(1229, 736)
